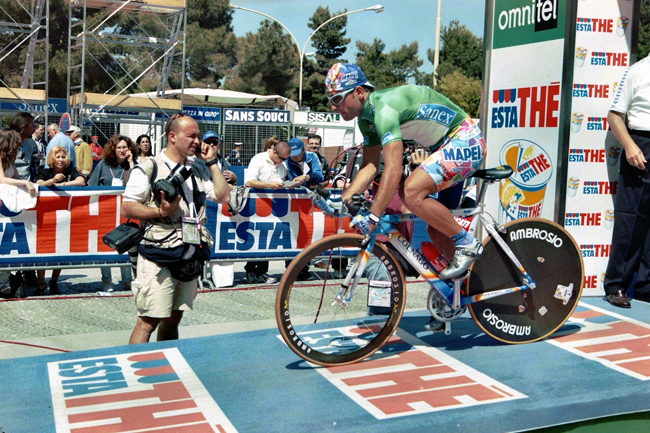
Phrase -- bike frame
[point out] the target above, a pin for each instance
(448, 291)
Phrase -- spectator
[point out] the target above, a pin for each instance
(96, 149)
(144, 147)
(39, 138)
(234, 158)
(117, 160)
(9, 146)
(314, 143)
(58, 138)
(629, 120)
(23, 124)
(271, 142)
(212, 139)
(83, 153)
(266, 170)
(60, 173)
(303, 167)
(162, 294)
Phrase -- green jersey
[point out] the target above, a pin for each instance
(408, 113)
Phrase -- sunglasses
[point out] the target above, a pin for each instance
(171, 121)
(337, 98)
(281, 158)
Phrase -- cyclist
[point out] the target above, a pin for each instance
(421, 114)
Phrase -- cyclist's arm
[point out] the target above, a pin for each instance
(390, 178)
(366, 173)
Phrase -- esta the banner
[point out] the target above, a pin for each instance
(67, 225)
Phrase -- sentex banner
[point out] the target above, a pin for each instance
(604, 34)
(523, 105)
(143, 391)
(67, 225)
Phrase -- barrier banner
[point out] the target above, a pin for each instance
(603, 52)
(67, 225)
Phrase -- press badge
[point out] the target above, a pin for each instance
(116, 181)
(192, 228)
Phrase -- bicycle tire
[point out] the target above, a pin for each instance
(528, 315)
(328, 334)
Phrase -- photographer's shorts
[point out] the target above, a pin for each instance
(157, 293)
(460, 155)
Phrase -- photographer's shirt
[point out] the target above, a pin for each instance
(138, 187)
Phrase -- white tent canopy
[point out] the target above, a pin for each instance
(226, 97)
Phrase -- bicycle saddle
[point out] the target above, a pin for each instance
(494, 173)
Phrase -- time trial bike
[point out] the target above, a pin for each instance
(522, 288)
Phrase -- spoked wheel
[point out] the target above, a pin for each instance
(551, 257)
(327, 330)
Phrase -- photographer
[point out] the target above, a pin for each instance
(169, 200)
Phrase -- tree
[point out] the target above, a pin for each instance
(644, 30)
(390, 69)
(330, 43)
(267, 62)
(462, 91)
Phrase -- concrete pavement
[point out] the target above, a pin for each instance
(82, 317)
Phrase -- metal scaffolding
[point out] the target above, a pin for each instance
(29, 26)
(142, 40)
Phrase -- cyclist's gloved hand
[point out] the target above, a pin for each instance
(364, 222)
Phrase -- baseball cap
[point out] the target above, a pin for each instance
(94, 137)
(210, 134)
(73, 128)
(296, 145)
(344, 76)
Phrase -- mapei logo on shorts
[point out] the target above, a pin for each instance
(143, 391)
(599, 187)
(462, 154)
(595, 250)
(591, 91)
(587, 155)
(534, 107)
(582, 219)
(437, 113)
(601, 58)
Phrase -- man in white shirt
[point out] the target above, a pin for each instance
(630, 252)
(266, 170)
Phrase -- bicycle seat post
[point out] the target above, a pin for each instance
(456, 301)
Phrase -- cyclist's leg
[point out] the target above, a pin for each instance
(459, 156)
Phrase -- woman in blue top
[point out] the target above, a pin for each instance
(112, 170)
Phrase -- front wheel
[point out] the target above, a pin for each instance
(322, 329)
(552, 259)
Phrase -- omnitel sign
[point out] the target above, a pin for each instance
(521, 22)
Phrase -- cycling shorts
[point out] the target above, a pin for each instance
(460, 155)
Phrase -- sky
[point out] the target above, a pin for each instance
(401, 22)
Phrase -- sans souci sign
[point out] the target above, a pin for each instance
(243, 115)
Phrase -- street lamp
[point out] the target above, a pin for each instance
(376, 8)
(436, 53)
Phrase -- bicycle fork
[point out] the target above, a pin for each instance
(354, 274)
